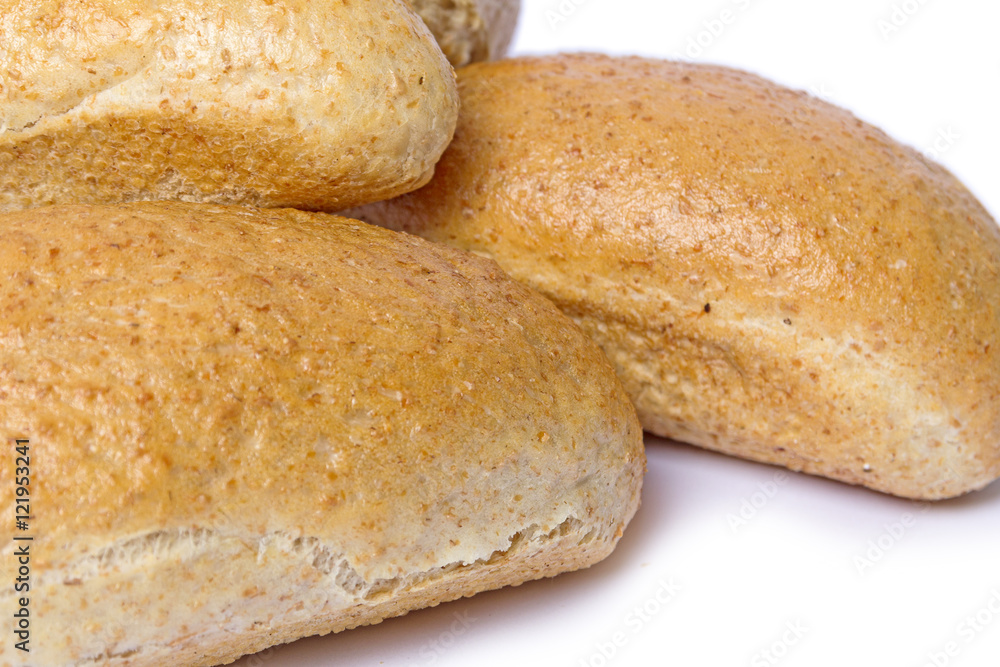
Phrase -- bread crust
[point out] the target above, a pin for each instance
(314, 105)
(250, 426)
(471, 31)
(772, 277)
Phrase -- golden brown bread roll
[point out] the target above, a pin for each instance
(470, 30)
(251, 426)
(771, 277)
(316, 105)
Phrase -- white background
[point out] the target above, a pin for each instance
(820, 573)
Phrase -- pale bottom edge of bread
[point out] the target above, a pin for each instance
(201, 598)
(855, 417)
(929, 475)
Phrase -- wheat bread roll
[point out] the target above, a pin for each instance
(470, 30)
(248, 426)
(314, 105)
(771, 277)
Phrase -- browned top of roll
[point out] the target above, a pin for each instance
(250, 372)
(720, 211)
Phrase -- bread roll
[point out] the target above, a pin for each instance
(771, 277)
(252, 426)
(315, 105)
(470, 30)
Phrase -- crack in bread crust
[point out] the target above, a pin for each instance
(298, 586)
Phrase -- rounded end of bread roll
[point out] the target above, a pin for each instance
(249, 426)
(770, 276)
(471, 30)
(311, 105)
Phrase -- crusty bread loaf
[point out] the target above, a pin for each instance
(771, 277)
(470, 30)
(251, 426)
(315, 105)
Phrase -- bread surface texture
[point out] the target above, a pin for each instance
(312, 105)
(249, 426)
(471, 30)
(771, 277)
